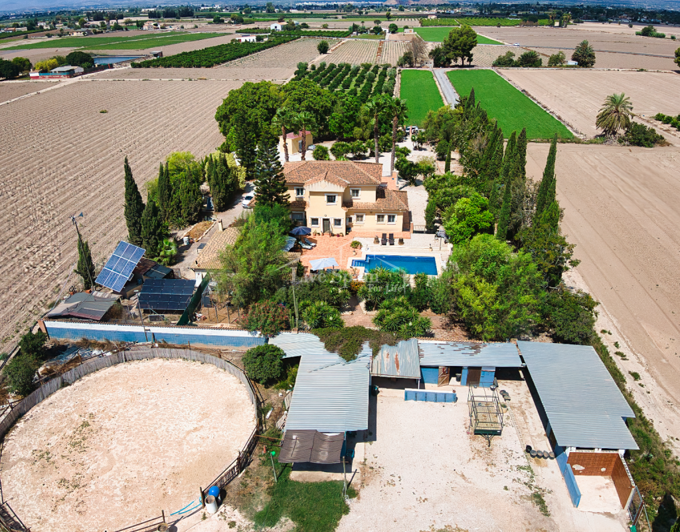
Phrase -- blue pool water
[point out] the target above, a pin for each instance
(412, 265)
(112, 59)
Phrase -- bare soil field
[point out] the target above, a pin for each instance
(621, 210)
(392, 51)
(612, 60)
(284, 56)
(354, 52)
(172, 49)
(568, 38)
(485, 55)
(220, 73)
(15, 89)
(70, 160)
(119, 445)
(577, 95)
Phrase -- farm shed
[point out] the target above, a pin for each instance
(398, 361)
(276, 26)
(476, 362)
(330, 397)
(84, 306)
(248, 38)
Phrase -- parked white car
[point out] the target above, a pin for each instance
(247, 201)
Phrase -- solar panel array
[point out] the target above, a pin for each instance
(166, 294)
(118, 268)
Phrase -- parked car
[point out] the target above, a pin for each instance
(247, 201)
(311, 147)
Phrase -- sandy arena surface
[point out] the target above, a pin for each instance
(119, 445)
(70, 160)
(621, 210)
(425, 472)
(577, 95)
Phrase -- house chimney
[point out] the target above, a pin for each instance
(220, 226)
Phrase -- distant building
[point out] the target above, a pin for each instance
(80, 32)
(276, 27)
(247, 38)
(294, 142)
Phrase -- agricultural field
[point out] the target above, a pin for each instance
(577, 95)
(354, 52)
(620, 209)
(438, 34)
(611, 60)
(512, 109)
(392, 51)
(15, 89)
(80, 169)
(421, 93)
(484, 56)
(363, 82)
(122, 42)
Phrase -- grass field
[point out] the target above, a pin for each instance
(420, 91)
(138, 42)
(512, 109)
(439, 33)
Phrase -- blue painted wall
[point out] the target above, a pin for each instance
(463, 377)
(569, 478)
(430, 375)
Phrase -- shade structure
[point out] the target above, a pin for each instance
(301, 231)
(322, 264)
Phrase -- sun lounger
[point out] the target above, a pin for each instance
(391, 239)
(308, 242)
(304, 245)
(383, 240)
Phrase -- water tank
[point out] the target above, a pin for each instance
(211, 504)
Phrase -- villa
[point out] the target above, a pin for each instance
(338, 197)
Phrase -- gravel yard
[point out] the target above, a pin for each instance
(119, 445)
(424, 472)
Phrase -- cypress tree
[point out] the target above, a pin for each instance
(191, 199)
(153, 230)
(546, 190)
(223, 183)
(85, 267)
(164, 193)
(522, 155)
(471, 99)
(550, 218)
(134, 207)
(504, 218)
(269, 178)
(495, 175)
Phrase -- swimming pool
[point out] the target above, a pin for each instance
(112, 59)
(412, 265)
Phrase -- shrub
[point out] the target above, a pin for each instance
(355, 286)
(264, 363)
(19, 374)
(571, 316)
(320, 153)
(557, 59)
(641, 135)
(355, 244)
(267, 317)
(320, 315)
(421, 293)
(530, 59)
(507, 60)
(382, 284)
(323, 47)
(468, 217)
(348, 341)
(398, 316)
(33, 344)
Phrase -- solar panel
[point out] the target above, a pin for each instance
(166, 294)
(118, 268)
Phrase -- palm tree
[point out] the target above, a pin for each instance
(284, 119)
(616, 113)
(304, 120)
(399, 112)
(376, 106)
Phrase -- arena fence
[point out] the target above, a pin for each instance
(8, 518)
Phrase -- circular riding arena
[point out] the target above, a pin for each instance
(123, 443)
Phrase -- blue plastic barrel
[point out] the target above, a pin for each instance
(215, 492)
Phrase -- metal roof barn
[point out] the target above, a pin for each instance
(469, 354)
(330, 394)
(583, 404)
(401, 360)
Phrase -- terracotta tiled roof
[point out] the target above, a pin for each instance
(292, 135)
(209, 257)
(386, 201)
(337, 172)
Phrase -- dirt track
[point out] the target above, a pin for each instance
(577, 95)
(119, 445)
(621, 210)
(61, 156)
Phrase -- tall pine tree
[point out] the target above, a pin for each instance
(222, 180)
(134, 207)
(153, 230)
(85, 267)
(164, 193)
(547, 188)
(269, 179)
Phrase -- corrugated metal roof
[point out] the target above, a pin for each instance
(466, 354)
(401, 360)
(330, 394)
(584, 406)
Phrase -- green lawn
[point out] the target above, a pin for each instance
(119, 42)
(439, 33)
(420, 91)
(512, 109)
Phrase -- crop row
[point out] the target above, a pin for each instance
(364, 81)
(213, 55)
(476, 21)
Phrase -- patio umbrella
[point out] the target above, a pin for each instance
(301, 231)
(290, 243)
(322, 264)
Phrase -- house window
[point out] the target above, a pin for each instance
(391, 218)
(331, 199)
(299, 145)
(380, 218)
(298, 216)
(355, 192)
(315, 222)
(349, 220)
(359, 218)
(337, 222)
(299, 192)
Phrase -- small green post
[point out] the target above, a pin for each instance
(271, 456)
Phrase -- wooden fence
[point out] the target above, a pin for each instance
(11, 522)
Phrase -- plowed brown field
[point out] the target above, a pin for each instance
(61, 156)
(14, 89)
(621, 210)
(577, 95)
